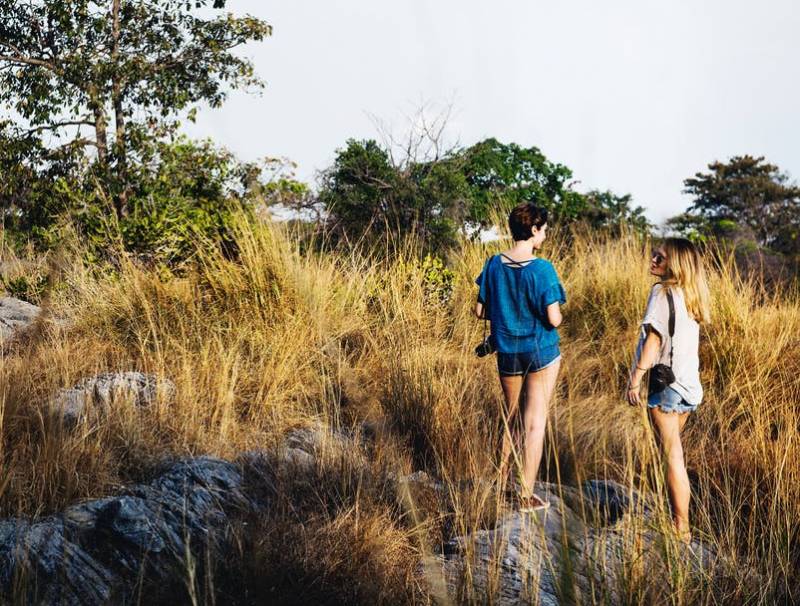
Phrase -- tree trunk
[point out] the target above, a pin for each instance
(120, 147)
(101, 133)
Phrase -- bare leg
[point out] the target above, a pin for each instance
(511, 390)
(668, 426)
(538, 391)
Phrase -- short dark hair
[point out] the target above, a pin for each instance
(525, 216)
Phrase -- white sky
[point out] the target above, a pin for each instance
(632, 95)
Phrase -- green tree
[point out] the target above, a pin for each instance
(501, 175)
(33, 179)
(744, 197)
(365, 195)
(188, 190)
(110, 76)
(607, 210)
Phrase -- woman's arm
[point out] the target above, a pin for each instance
(650, 349)
(479, 310)
(554, 314)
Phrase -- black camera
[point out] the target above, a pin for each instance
(485, 348)
(661, 377)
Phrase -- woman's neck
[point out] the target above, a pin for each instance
(522, 249)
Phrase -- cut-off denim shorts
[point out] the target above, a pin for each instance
(669, 400)
(514, 364)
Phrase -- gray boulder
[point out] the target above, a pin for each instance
(133, 547)
(317, 439)
(97, 394)
(556, 556)
(15, 316)
(611, 500)
(100, 552)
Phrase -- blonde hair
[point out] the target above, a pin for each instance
(685, 269)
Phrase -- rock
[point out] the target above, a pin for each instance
(96, 553)
(530, 550)
(298, 459)
(133, 547)
(70, 405)
(604, 502)
(555, 556)
(307, 439)
(100, 392)
(612, 499)
(291, 460)
(317, 439)
(15, 316)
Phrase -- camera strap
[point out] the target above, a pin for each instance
(486, 302)
(671, 304)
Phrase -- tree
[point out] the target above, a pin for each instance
(501, 175)
(744, 196)
(30, 177)
(187, 196)
(367, 192)
(113, 75)
(365, 195)
(607, 210)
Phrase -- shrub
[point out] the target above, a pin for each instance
(27, 288)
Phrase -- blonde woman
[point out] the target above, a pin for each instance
(678, 304)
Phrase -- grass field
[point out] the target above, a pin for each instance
(285, 338)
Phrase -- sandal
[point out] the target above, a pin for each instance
(530, 504)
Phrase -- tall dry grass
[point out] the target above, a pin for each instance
(286, 337)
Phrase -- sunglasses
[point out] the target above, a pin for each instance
(658, 258)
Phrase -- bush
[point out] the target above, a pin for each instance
(368, 196)
(182, 192)
(27, 288)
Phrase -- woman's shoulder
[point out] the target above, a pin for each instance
(661, 293)
(543, 264)
(656, 298)
(545, 267)
(494, 261)
(661, 288)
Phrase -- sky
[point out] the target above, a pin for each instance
(632, 95)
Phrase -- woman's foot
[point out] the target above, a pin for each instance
(682, 532)
(526, 504)
(684, 536)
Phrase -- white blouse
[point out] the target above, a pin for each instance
(685, 341)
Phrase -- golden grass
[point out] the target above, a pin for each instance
(285, 337)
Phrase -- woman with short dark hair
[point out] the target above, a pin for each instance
(521, 294)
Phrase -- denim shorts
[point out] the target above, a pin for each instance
(669, 400)
(513, 364)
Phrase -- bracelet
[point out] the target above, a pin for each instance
(640, 368)
(634, 386)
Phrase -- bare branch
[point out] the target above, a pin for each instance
(56, 125)
(79, 142)
(29, 61)
(423, 141)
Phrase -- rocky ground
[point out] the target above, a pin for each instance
(109, 551)
(117, 549)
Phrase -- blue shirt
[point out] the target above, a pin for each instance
(516, 299)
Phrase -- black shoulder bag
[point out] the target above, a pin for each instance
(661, 375)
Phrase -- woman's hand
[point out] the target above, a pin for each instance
(634, 395)
(648, 356)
